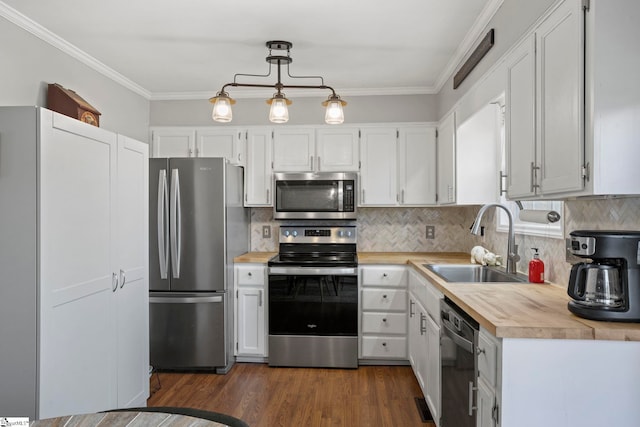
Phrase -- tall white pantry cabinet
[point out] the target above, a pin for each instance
(74, 262)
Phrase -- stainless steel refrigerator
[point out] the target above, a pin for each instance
(197, 226)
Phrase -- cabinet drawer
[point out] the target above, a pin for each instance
(384, 276)
(384, 323)
(250, 275)
(384, 347)
(487, 359)
(384, 299)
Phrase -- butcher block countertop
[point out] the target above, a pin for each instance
(507, 310)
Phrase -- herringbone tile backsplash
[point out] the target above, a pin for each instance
(403, 230)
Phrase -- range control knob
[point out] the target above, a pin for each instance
(295, 233)
(340, 233)
(348, 233)
(286, 233)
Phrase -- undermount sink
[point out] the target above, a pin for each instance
(473, 273)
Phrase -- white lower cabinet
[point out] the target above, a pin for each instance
(250, 325)
(488, 409)
(383, 305)
(424, 339)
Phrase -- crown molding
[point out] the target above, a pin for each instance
(468, 43)
(58, 42)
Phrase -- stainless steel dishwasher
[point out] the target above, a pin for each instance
(459, 366)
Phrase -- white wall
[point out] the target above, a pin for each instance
(305, 111)
(29, 64)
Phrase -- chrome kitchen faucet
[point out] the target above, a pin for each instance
(512, 248)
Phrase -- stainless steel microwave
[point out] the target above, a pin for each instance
(322, 195)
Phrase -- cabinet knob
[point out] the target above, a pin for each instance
(249, 274)
(384, 320)
(384, 344)
(384, 274)
(479, 350)
(384, 296)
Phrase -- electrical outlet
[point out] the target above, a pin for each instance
(431, 232)
(266, 231)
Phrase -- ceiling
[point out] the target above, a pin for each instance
(189, 49)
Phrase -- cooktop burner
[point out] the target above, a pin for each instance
(317, 246)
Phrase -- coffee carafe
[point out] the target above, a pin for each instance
(608, 287)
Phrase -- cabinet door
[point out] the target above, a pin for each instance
(486, 405)
(560, 72)
(257, 174)
(378, 174)
(225, 143)
(446, 142)
(520, 126)
(251, 324)
(432, 368)
(417, 166)
(78, 265)
(173, 143)
(132, 296)
(293, 150)
(337, 149)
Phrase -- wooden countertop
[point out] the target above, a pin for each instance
(257, 257)
(507, 310)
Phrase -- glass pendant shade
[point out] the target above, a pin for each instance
(222, 107)
(279, 113)
(334, 114)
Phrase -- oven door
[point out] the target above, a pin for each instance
(313, 301)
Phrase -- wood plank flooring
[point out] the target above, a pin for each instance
(371, 396)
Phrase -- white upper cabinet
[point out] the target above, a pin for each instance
(560, 106)
(417, 165)
(199, 142)
(555, 147)
(398, 166)
(337, 149)
(258, 189)
(544, 114)
(520, 120)
(224, 142)
(378, 184)
(293, 149)
(173, 142)
(446, 161)
(315, 150)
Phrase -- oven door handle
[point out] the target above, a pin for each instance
(465, 344)
(313, 271)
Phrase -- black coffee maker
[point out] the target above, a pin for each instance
(607, 288)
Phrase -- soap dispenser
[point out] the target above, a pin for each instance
(536, 268)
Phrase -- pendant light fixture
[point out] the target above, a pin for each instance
(279, 112)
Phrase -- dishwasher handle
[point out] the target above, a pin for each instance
(462, 342)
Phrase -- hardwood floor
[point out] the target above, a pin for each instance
(371, 396)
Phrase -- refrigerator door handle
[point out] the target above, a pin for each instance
(163, 225)
(185, 300)
(176, 223)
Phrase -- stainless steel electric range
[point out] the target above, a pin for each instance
(313, 298)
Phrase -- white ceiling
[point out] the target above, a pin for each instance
(189, 49)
